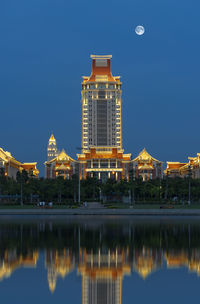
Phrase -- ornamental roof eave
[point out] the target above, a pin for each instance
(147, 157)
(62, 167)
(100, 56)
(175, 165)
(146, 167)
(186, 166)
(103, 69)
(61, 157)
(7, 157)
(32, 163)
(86, 79)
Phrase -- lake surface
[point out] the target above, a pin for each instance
(99, 260)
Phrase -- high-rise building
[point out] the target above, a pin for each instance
(102, 155)
(101, 106)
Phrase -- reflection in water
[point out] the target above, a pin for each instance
(102, 273)
(102, 252)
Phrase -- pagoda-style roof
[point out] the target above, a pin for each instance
(145, 157)
(62, 157)
(7, 157)
(101, 70)
(194, 160)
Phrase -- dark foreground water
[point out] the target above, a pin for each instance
(99, 261)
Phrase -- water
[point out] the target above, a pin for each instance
(98, 261)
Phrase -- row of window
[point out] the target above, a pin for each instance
(104, 164)
(101, 86)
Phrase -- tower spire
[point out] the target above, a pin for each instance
(52, 148)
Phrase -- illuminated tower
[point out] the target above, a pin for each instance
(102, 154)
(101, 106)
(52, 151)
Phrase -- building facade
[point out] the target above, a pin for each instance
(11, 166)
(102, 154)
(101, 106)
(58, 163)
(146, 167)
(191, 168)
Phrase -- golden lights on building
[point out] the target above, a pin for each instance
(11, 166)
(177, 169)
(146, 167)
(59, 163)
(102, 154)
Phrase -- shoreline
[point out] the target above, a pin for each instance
(101, 212)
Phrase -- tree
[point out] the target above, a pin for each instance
(22, 178)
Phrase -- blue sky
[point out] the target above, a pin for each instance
(45, 48)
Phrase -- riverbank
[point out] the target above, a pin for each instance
(101, 212)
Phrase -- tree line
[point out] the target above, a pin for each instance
(26, 189)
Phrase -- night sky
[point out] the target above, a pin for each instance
(45, 48)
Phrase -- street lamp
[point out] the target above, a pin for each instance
(79, 180)
(189, 184)
(79, 184)
(100, 194)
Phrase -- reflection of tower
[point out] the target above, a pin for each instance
(52, 148)
(52, 278)
(102, 275)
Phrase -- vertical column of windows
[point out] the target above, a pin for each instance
(108, 98)
(84, 119)
(109, 122)
(118, 119)
(113, 102)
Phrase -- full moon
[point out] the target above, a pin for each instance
(139, 30)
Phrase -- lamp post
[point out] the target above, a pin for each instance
(189, 185)
(100, 194)
(79, 184)
(133, 180)
(79, 180)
